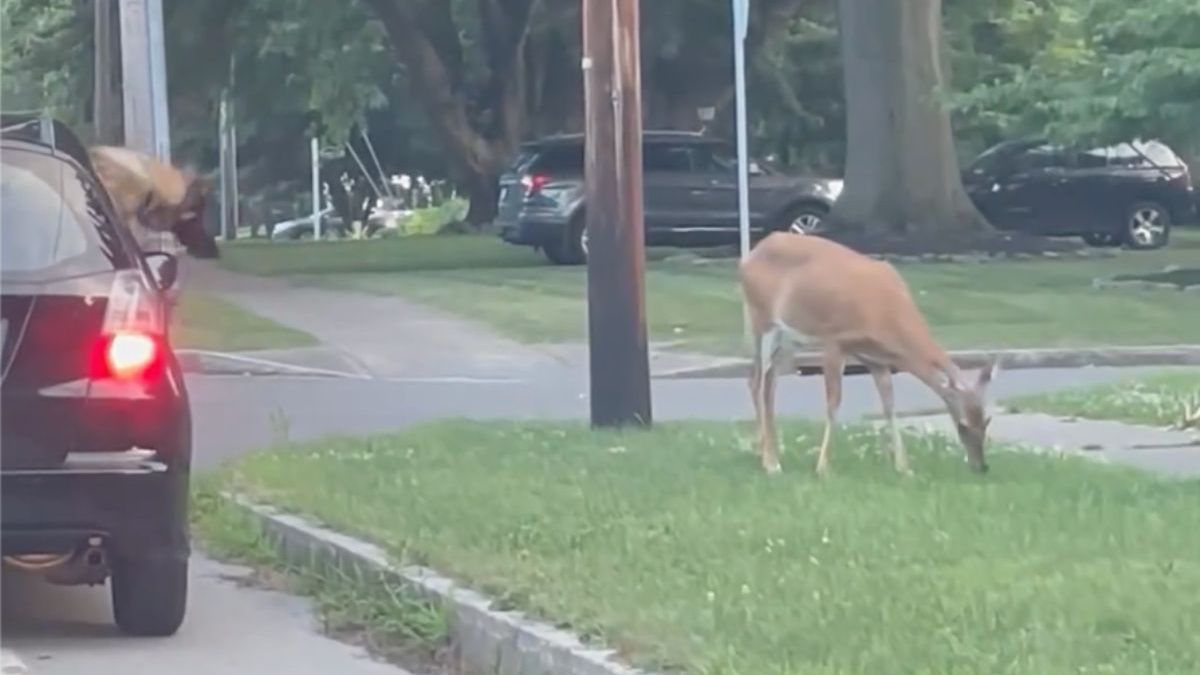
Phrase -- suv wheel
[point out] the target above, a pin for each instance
(149, 596)
(571, 249)
(1147, 226)
(805, 218)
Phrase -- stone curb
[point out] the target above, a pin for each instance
(487, 641)
(1010, 359)
(11, 664)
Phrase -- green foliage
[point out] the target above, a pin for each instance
(1110, 71)
(1091, 71)
(433, 219)
(47, 58)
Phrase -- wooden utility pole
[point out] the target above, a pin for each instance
(620, 364)
(144, 88)
(106, 109)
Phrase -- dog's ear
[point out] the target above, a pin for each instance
(194, 198)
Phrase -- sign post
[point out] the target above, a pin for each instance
(741, 19)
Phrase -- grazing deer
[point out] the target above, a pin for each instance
(151, 195)
(802, 289)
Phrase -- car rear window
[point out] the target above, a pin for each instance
(51, 221)
(566, 158)
(1141, 155)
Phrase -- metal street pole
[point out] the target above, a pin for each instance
(617, 341)
(228, 167)
(741, 19)
(315, 149)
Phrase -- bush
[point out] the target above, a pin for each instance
(433, 220)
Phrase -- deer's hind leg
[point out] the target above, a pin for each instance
(833, 364)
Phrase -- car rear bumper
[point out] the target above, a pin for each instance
(530, 231)
(137, 505)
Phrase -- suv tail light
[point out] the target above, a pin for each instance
(533, 183)
(132, 339)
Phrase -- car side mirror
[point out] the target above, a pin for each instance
(165, 267)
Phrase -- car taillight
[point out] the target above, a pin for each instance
(533, 183)
(128, 355)
(131, 342)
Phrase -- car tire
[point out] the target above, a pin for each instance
(805, 218)
(1147, 226)
(149, 596)
(571, 249)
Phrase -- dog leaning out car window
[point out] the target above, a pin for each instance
(152, 196)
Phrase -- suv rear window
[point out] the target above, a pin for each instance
(1142, 155)
(51, 221)
(559, 159)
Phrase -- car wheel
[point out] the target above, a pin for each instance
(1102, 239)
(572, 248)
(149, 597)
(805, 219)
(1147, 226)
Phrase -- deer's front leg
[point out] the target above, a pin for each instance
(883, 383)
(832, 365)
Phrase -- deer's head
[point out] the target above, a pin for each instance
(967, 405)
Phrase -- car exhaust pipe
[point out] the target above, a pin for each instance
(89, 565)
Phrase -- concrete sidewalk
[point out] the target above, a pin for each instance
(1170, 453)
(390, 337)
(383, 335)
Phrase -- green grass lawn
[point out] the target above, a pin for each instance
(1167, 399)
(205, 321)
(675, 548)
(1045, 303)
(406, 254)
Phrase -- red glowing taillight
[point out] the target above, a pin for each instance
(533, 183)
(129, 355)
(132, 341)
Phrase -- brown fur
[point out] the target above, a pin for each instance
(848, 305)
(152, 196)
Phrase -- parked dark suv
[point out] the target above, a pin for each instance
(1127, 194)
(690, 195)
(96, 425)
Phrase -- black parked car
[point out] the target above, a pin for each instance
(96, 422)
(690, 195)
(1127, 194)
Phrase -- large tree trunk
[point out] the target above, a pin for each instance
(902, 173)
(479, 129)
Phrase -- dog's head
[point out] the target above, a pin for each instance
(189, 220)
(185, 219)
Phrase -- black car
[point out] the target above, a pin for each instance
(97, 436)
(690, 195)
(1127, 194)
